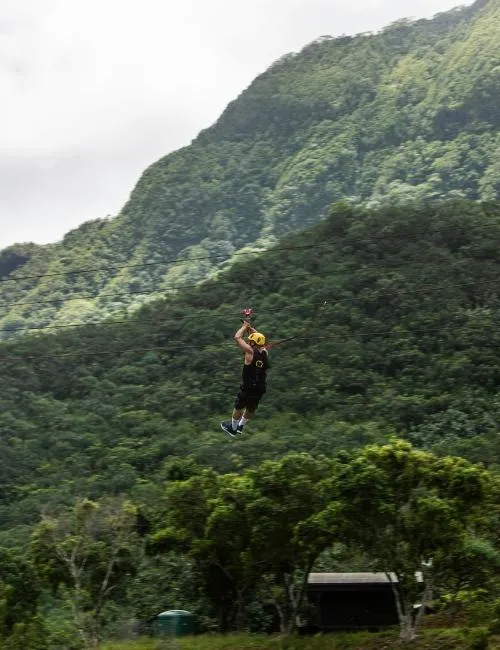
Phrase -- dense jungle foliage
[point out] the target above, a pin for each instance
(408, 114)
(377, 446)
(121, 496)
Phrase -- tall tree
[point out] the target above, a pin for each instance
(89, 551)
(207, 519)
(289, 493)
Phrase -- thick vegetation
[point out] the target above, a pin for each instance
(122, 497)
(409, 114)
(406, 343)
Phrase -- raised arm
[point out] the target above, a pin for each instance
(238, 337)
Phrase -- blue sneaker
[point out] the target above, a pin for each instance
(228, 428)
(239, 428)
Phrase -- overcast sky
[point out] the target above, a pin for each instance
(93, 91)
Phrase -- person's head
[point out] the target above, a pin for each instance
(256, 339)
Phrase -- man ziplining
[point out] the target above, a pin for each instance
(253, 385)
(255, 367)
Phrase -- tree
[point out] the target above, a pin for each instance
(207, 519)
(19, 595)
(88, 551)
(406, 509)
(248, 532)
(468, 572)
(284, 540)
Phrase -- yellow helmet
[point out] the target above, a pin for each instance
(258, 338)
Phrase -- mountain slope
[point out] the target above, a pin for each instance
(408, 342)
(412, 113)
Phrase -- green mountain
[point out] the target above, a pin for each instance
(408, 114)
(407, 343)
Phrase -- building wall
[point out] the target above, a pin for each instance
(352, 608)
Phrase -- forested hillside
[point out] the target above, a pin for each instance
(408, 343)
(112, 462)
(350, 197)
(409, 114)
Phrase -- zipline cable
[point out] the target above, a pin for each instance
(177, 287)
(341, 300)
(175, 346)
(172, 261)
(194, 285)
(133, 321)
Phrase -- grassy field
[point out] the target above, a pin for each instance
(451, 639)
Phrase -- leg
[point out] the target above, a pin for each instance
(237, 413)
(252, 405)
(235, 418)
(231, 426)
(240, 405)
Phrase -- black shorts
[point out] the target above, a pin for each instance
(244, 399)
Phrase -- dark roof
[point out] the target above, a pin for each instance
(352, 578)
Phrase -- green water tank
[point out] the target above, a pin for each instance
(175, 622)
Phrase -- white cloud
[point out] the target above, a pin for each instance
(96, 90)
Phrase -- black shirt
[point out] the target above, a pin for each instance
(254, 374)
